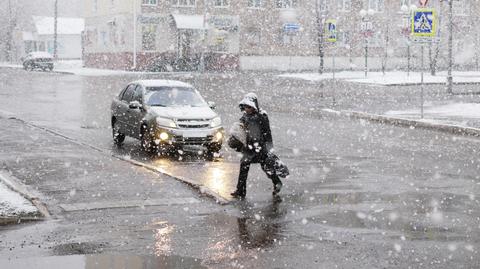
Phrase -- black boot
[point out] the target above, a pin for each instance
(238, 194)
(277, 188)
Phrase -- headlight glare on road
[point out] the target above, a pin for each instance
(163, 136)
(166, 122)
(216, 122)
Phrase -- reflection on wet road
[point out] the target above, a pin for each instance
(360, 189)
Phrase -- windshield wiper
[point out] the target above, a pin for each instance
(158, 105)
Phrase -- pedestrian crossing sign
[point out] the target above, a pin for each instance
(423, 23)
(331, 30)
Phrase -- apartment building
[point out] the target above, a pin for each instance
(146, 34)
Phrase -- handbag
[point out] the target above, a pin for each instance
(275, 166)
(238, 137)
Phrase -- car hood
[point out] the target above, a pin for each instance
(184, 112)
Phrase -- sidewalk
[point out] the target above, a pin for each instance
(75, 67)
(396, 97)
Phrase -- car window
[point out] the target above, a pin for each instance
(138, 94)
(120, 95)
(173, 96)
(128, 95)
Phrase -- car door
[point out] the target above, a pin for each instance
(124, 110)
(137, 114)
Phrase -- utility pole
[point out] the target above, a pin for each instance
(134, 66)
(55, 30)
(450, 48)
(204, 36)
(320, 22)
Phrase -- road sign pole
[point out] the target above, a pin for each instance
(333, 75)
(421, 84)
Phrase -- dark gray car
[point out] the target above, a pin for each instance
(166, 115)
(38, 59)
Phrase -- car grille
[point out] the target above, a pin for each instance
(190, 124)
(43, 60)
(194, 140)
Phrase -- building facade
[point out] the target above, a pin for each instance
(166, 34)
(19, 30)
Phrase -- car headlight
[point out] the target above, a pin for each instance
(216, 122)
(166, 122)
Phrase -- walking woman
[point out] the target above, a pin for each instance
(258, 145)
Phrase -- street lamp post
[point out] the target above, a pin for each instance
(134, 17)
(320, 23)
(55, 31)
(367, 30)
(204, 36)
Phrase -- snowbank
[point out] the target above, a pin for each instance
(13, 204)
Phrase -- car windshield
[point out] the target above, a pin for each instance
(173, 96)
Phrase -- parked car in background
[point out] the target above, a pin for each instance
(166, 116)
(38, 60)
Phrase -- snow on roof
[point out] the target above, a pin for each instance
(66, 26)
(162, 82)
(189, 21)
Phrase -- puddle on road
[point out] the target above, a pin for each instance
(103, 261)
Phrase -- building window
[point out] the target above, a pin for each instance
(255, 3)
(461, 7)
(103, 38)
(221, 3)
(376, 5)
(344, 5)
(253, 37)
(406, 3)
(183, 3)
(286, 3)
(323, 5)
(343, 38)
(149, 2)
(220, 43)
(149, 37)
(376, 41)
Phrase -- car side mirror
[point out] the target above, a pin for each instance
(134, 105)
(212, 105)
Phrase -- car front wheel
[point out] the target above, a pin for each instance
(118, 137)
(146, 140)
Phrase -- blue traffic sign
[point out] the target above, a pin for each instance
(291, 27)
(423, 22)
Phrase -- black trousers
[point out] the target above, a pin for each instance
(245, 167)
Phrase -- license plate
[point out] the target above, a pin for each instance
(191, 134)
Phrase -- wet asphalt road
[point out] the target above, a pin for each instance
(360, 194)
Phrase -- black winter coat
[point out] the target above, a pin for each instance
(259, 136)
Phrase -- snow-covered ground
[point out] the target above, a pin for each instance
(13, 204)
(465, 110)
(389, 78)
(459, 114)
(76, 67)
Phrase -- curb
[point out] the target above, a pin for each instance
(446, 128)
(49, 72)
(201, 188)
(12, 183)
